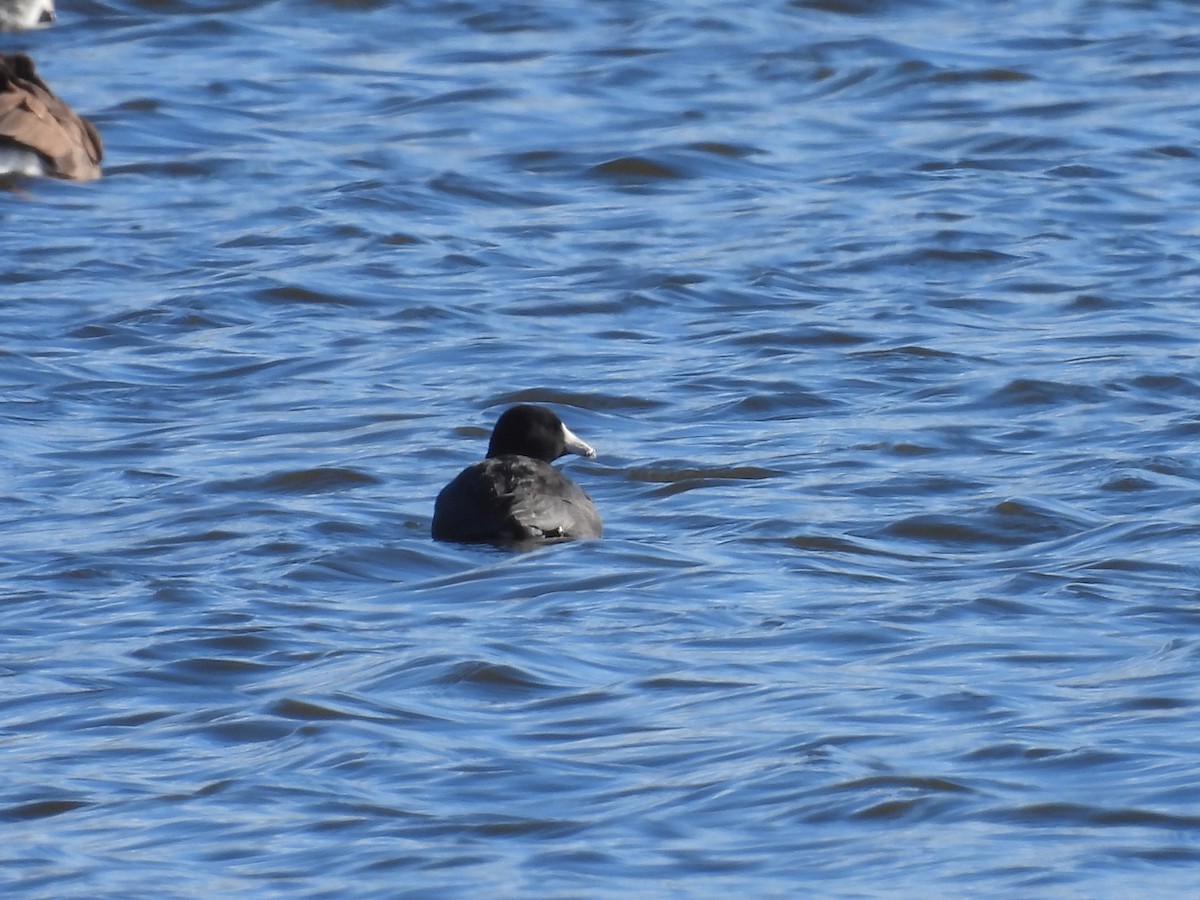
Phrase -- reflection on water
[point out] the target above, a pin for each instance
(880, 316)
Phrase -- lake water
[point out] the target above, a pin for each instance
(881, 315)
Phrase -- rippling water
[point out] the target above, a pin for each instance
(881, 316)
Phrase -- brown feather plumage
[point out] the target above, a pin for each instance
(33, 117)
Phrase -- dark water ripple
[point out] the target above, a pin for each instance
(880, 314)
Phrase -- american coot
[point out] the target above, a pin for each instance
(515, 496)
(22, 15)
(39, 134)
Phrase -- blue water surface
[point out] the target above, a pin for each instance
(881, 315)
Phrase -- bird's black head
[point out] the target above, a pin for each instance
(536, 432)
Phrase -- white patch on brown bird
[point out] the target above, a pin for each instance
(23, 15)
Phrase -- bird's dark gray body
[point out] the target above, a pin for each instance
(513, 499)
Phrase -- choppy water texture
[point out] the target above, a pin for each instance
(881, 315)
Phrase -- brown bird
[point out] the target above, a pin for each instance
(39, 134)
(21, 15)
